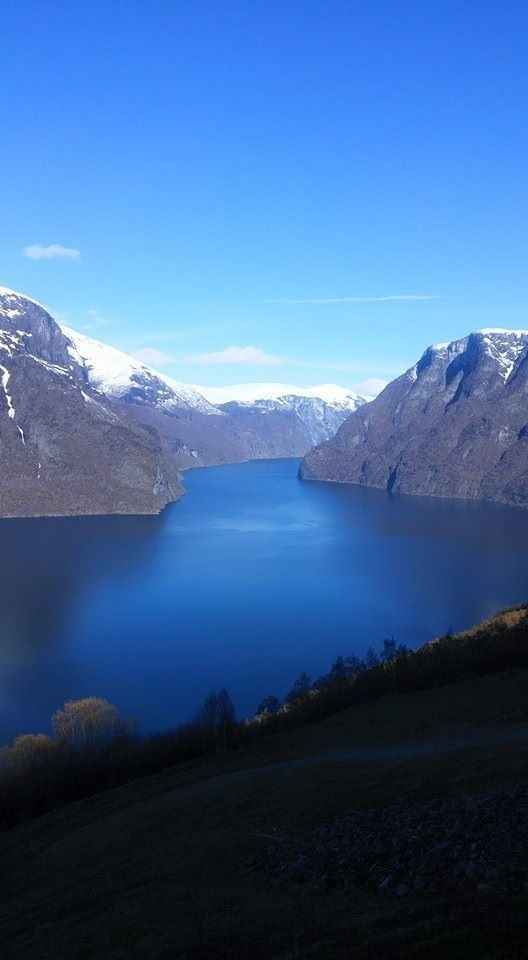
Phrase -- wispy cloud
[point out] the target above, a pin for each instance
(390, 299)
(53, 251)
(236, 355)
(153, 357)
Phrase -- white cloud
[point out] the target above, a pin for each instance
(54, 251)
(153, 357)
(391, 299)
(237, 355)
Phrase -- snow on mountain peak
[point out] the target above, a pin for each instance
(503, 331)
(115, 373)
(251, 392)
(14, 297)
(502, 345)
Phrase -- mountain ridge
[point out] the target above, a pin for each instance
(454, 424)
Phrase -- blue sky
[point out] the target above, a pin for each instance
(273, 177)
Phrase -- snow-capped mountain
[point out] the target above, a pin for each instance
(65, 448)
(455, 424)
(120, 376)
(84, 427)
(251, 392)
(313, 414)
(271, 420)
(258, 420)
(302, 416)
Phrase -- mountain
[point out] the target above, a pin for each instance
(454, 425)
(120, 376)
(85, 428)
(64, 447)
(330, 393)
(200, 426)
(295, 418)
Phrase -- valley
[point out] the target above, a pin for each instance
(98, 432)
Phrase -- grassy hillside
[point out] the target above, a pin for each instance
(222, 856)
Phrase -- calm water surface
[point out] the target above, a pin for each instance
(251, 578)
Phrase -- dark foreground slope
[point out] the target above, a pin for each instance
(384, 830)
(454, 425)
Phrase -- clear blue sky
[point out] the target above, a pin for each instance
(212, 161)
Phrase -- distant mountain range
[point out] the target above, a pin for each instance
(206, 425)
(85, 428)
(454, 425)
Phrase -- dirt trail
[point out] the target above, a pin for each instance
(495, 737)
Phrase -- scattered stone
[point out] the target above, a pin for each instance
(476, 844)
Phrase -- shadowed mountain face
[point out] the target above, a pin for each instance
(454, 425)
(64, 448)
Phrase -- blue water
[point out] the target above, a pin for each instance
(251, 578)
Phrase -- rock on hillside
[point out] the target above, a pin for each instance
(454, 425)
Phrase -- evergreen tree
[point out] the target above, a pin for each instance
(300, 688)
(269, 705)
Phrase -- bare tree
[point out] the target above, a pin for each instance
(31, 749)
(87, 722)
(217, 714)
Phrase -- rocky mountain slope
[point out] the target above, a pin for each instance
(65, 448)
(309, 414)
(454, 425)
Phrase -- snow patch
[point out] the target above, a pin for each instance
(52, 367)
(9, 341)
(505, 347)
(4, 380)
